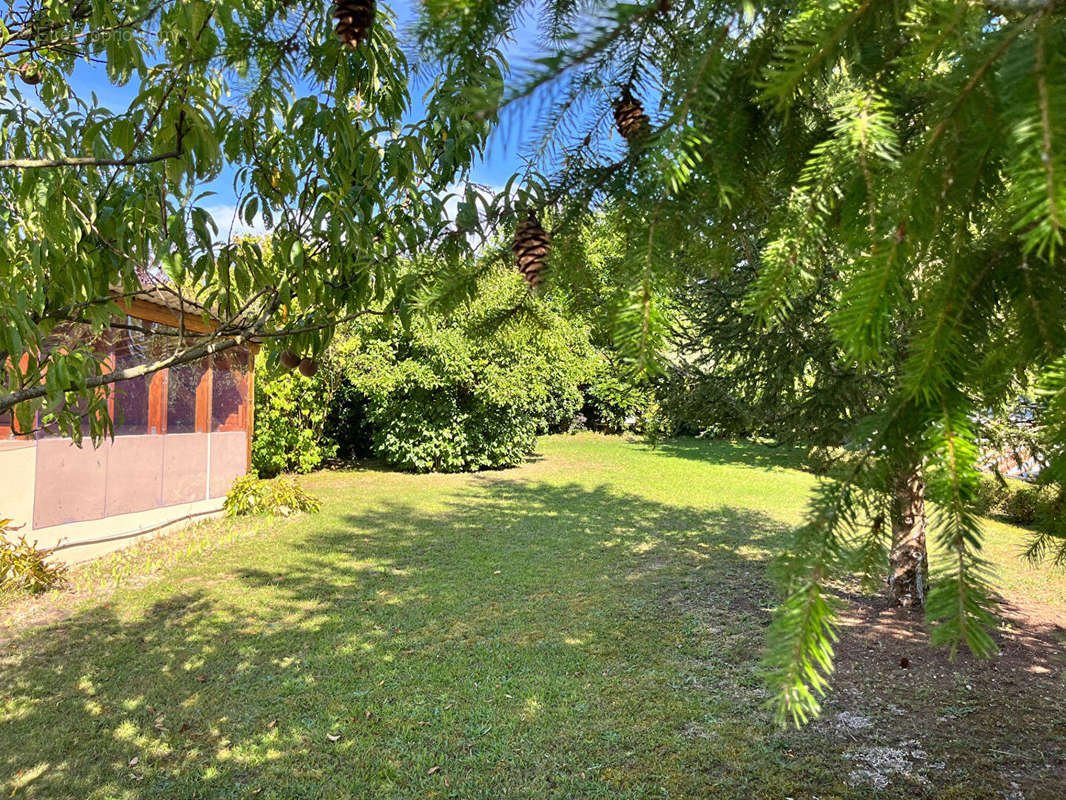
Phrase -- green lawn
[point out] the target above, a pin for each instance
(588, 625)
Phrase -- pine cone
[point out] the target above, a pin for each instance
(629, 116)
(530, 248)
(354, 20)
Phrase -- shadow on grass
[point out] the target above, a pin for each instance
(392, 629)
(725, 452)
(512, 639)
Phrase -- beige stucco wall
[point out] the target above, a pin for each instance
(18, 462)
(17, 482)
(136, 525)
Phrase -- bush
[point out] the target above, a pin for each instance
(25, 566)
(347, 428)
(656, 424)
(290, 416)
(991, 492)
(1014, 500)
(614, 404)
(425, 431)
(280, 497)
(469, 390)
(1021, 504)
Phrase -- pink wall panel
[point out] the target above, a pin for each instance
(71, 482)
(229, 457)
(134, 474)
(184, 468)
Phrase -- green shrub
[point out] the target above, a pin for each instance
(469, 390)
(347, 427)
(614, 404)
(290, 416)
(656, 424)
(991, 492)
(25, 566)
(1014, 500)
(281, 497)
(1021, 504)
(424, 431)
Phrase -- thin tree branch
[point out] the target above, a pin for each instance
(79, 161)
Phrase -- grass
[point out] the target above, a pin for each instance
(588, 625)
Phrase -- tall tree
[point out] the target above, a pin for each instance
(913, 147)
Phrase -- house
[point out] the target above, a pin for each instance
(181, 437)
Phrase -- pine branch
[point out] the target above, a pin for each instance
(960, 599)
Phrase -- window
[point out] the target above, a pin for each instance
(229, 391)
(65, 338)
(132, 348)
(183, 388)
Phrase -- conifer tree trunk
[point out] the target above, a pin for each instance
(908, 576)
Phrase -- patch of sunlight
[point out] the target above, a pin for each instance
(531, 709)
(747, 551)
(133, 703)
(573, 641)
(285, 663)
(126, 731)
(14, 709)
(85, 684)
(646, 546)
(155, 747)
(373, 564)
(250, 754)
(92, 708)
(27, 776)
(194, 663)
(315, 622)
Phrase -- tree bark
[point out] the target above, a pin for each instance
(908, 577)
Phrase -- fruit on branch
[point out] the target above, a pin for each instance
(354, 20)
(289, 359)
(530, 248)
(308, 367)
(30, 73)
(629, 116)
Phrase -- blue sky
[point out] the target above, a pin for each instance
(500, 162)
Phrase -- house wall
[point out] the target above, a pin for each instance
(60, 494)
(181, 439)
(122, 530)
(17, 477)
